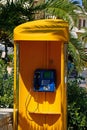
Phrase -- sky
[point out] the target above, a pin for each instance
(79, 2)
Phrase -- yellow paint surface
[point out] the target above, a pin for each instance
(48, 29)
(43, 49)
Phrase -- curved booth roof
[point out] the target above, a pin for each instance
(42, 30)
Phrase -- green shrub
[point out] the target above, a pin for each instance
(77, 106)
(6, 86)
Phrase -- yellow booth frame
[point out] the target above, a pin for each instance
(40, 44)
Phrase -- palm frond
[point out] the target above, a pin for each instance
(63, 9)
(76, 50)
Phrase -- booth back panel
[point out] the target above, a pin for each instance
(39, 110)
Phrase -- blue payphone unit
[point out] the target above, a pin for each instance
(45, 80)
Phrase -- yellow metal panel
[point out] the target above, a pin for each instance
(15, 92)
(39, 110)
(45, 30)
(41, 46)
(63, 89)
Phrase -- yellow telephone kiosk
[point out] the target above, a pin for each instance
(39, 75)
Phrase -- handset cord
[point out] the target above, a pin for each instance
(27, 103)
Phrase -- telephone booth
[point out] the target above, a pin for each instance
(40, 75)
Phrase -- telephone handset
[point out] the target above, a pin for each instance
(44, 80)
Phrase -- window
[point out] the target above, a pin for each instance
(79, 24)
(84, 23)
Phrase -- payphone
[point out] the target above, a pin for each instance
(45, 80)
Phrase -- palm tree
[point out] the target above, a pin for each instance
(85, 5)
(67, 10)
(15, 12)
(63, 9)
